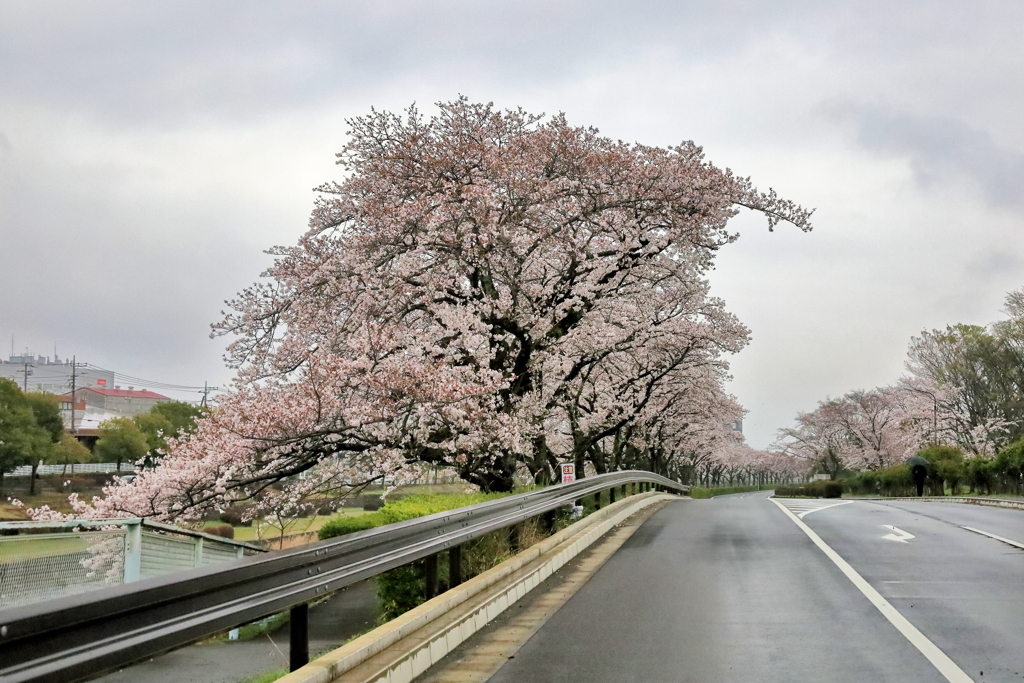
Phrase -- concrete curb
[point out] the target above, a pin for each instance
(986, 502)
(414, 660)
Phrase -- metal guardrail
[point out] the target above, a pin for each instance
(84, 635)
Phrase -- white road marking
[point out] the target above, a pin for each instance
(946, 666)
(1015, 544)
(802, 507)
(897, 534)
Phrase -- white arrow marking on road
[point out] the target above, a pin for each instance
(946, 666)
(897, 534)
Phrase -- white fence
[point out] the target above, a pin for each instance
(73, 468)
(42, 560)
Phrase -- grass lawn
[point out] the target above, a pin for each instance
(19, 548)
(57, 500)
(248, 533)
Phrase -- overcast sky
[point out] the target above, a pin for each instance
(150, 152)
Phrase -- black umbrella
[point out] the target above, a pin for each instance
(919, 468)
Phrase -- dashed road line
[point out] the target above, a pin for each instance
(939, 659)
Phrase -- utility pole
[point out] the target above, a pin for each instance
(73, 358)
(26, 372)
(206, 392)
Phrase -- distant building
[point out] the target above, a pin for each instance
(53, 376)
(737, 426)
(114, 402)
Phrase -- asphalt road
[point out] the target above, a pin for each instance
(732, 589)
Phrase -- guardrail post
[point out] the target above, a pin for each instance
(133, 552)
(298, 653)
(549, 520)
(455, 566)
(430, 573)
(597, 500)
(611, 495)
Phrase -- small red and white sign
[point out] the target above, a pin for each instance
(568, 474)
(101, 382)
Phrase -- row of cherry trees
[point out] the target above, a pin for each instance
(486, 290)
(964, 388)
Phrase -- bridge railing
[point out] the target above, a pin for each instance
(41, 561)
(83, 635)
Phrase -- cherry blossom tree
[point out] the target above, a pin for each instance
(489, 290)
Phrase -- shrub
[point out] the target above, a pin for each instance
(1009, 464)
(832, 489)
(402, 509)
(980, 474)
(946, 467)
(699, 492)
(339, 526)
(373, 505)
(222, 530)
(402, 589)
(814, 489)
(234, 516)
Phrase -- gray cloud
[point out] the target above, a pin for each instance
(191, 61)
(159, 147)
(945, 150)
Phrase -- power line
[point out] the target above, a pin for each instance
(120, 377)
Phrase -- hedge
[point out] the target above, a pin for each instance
(815, 489)
(402, 509)
(402, 588)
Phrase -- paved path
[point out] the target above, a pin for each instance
(352, 611)
(733, 589)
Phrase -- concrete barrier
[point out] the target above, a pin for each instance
(967, 500)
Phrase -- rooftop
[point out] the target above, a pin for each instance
(123, 393)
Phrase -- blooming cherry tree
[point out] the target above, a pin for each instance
(489, 290)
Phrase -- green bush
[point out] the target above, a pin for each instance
(814, 489)
(698, 492)
(339, 526)
(402, 589)
(890, 481)
(980, 474)
(1009, 466)
(947, 468)
(233, 516)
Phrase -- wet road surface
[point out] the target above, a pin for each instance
(732, 589)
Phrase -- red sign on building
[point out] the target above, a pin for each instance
(101, 382)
